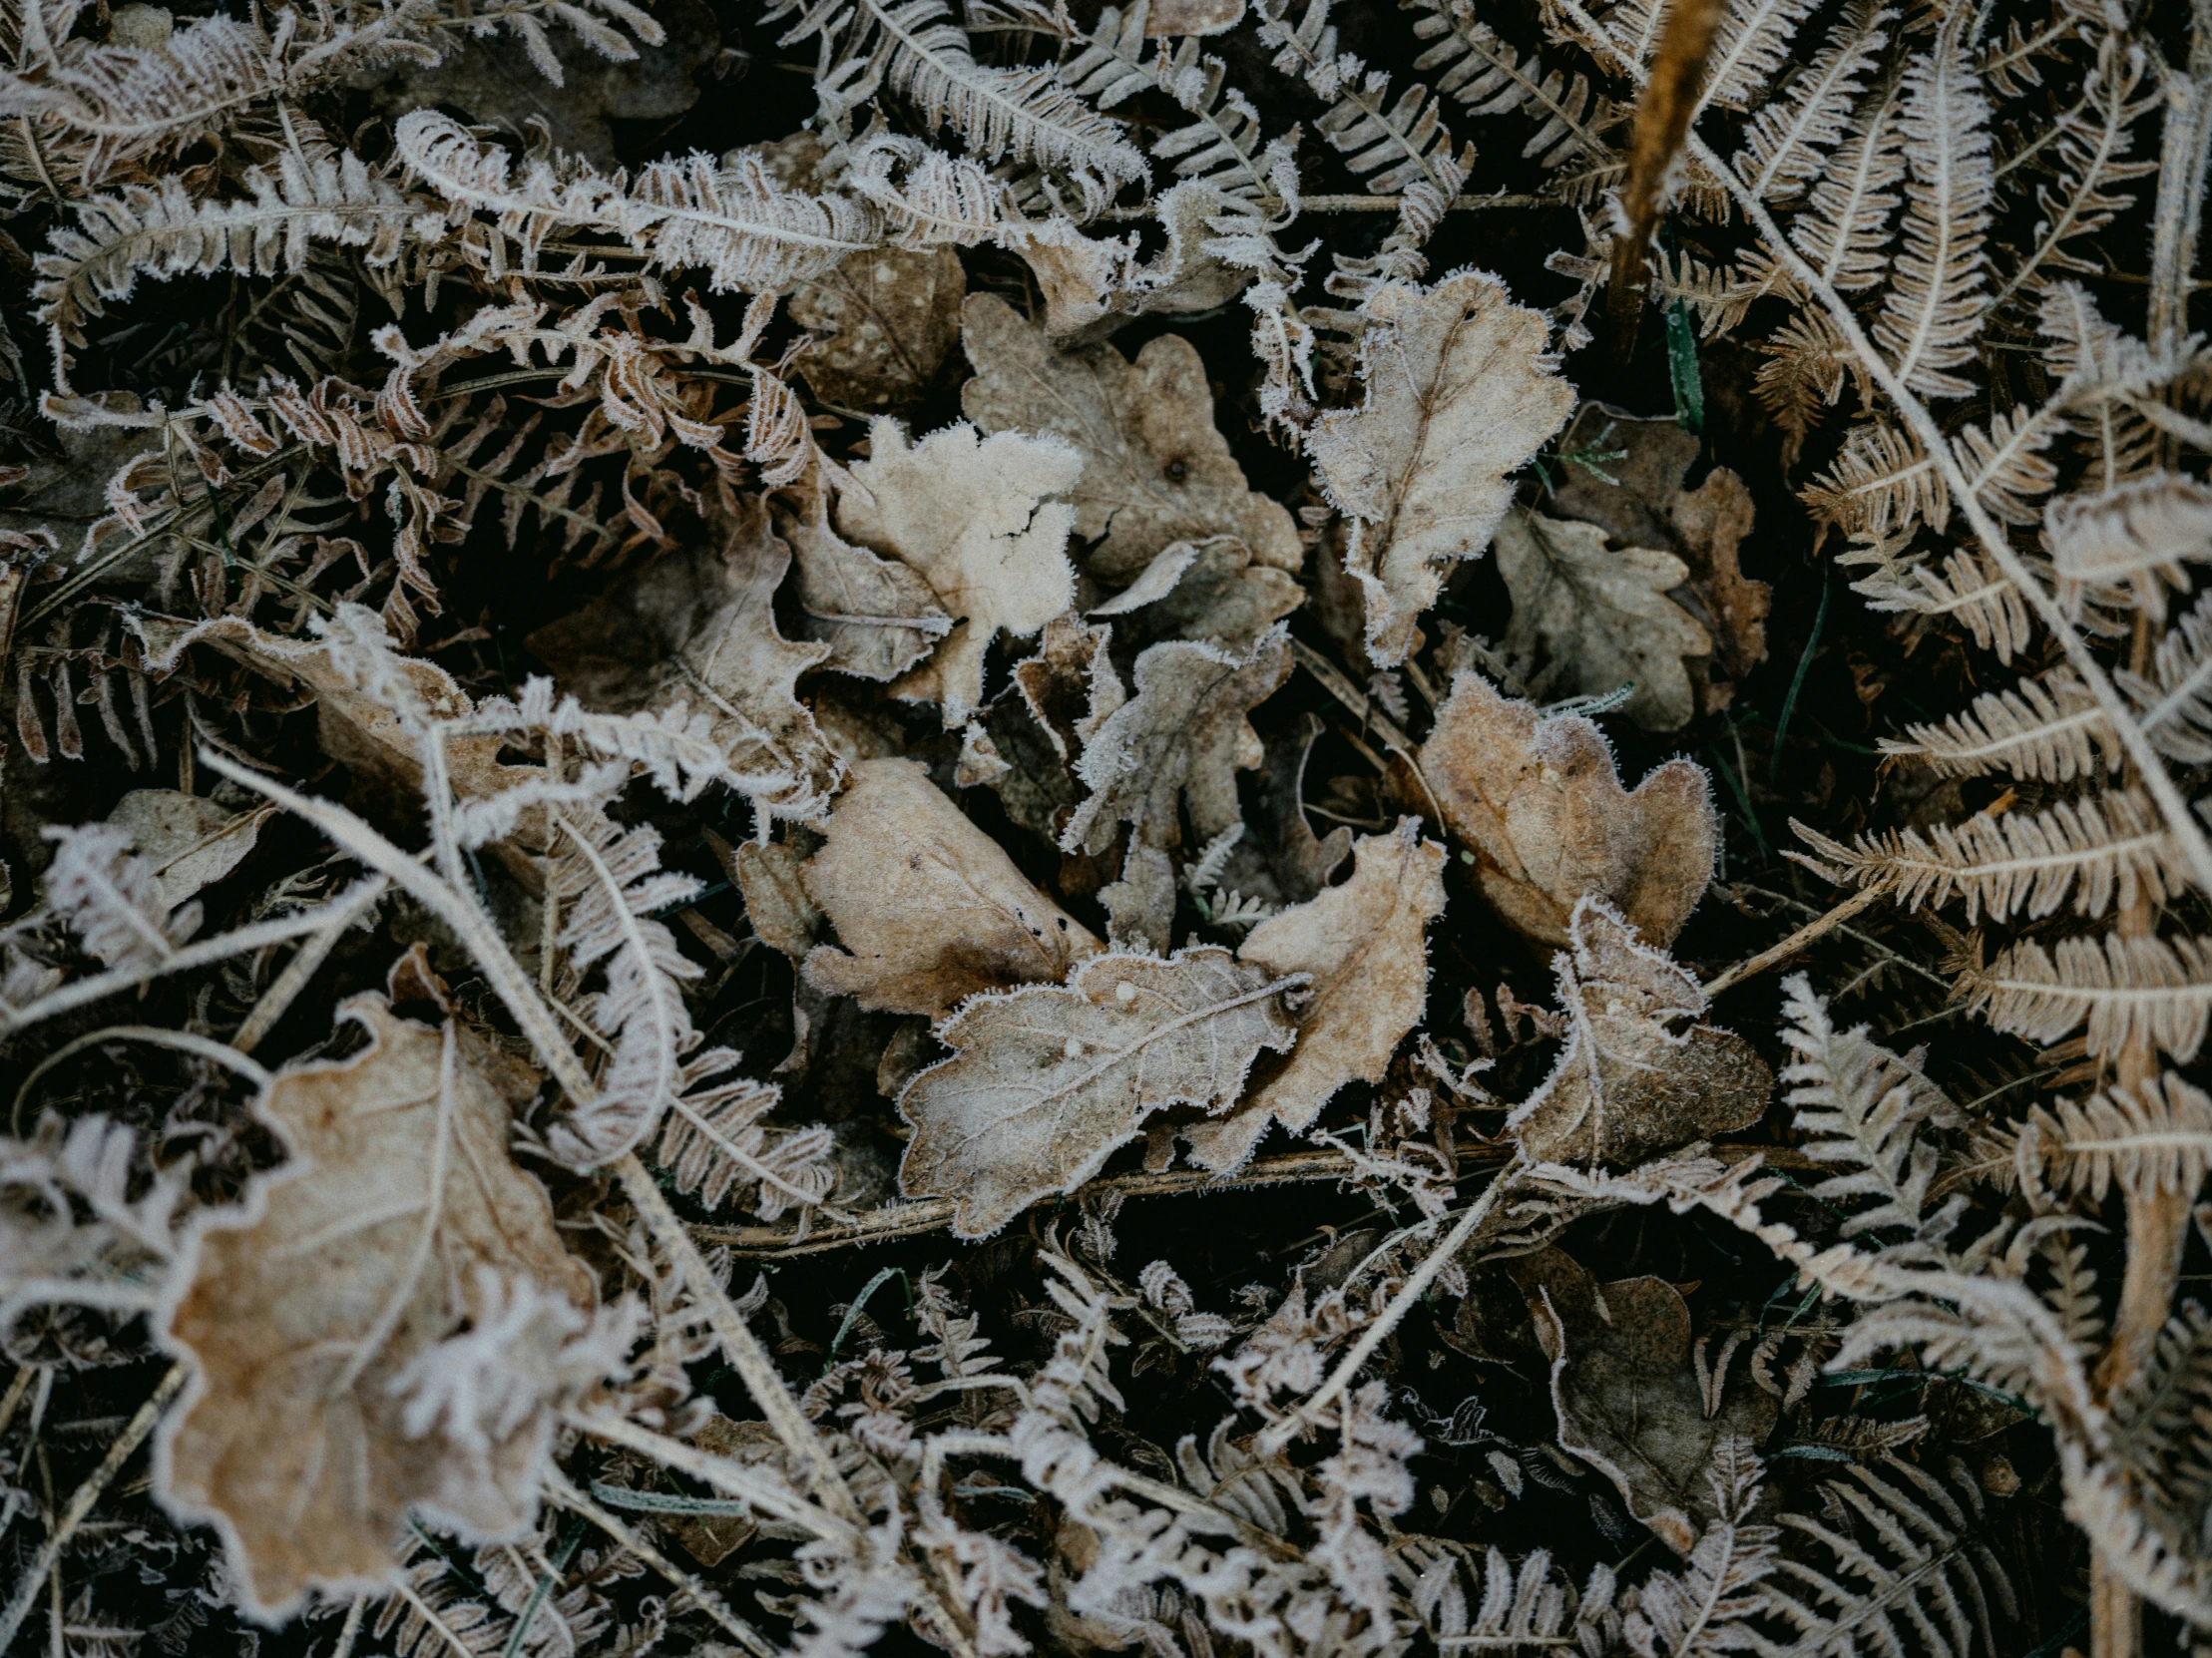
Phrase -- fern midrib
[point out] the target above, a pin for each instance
(1811, 114)
(1856, 216)
(1939, 206)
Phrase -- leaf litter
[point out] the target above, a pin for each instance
(837, 824)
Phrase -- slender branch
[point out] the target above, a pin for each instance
(277, 1001)
(1797, 941)
(906, 1220)
(558, 1489)
(1414, 1288)
(743, 1349)
(79, 1504)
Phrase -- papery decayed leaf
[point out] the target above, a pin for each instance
(890, 317)
(1635, 1079)
(1180, 741)
(876, 615)
(1538, 799)
(928, 908)
(1627, 1399)
(1601, 616)
(1632, 487)
(189, 841)
(1363, 946)
(696, 629)
(1209, 590)
(1155, 469)
(1045, 1082)
(1459, 393)
(981, 519)
(306, 1318)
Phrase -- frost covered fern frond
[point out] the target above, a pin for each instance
(1861, 1106)
(914, 49)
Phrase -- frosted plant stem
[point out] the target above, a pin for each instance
(743, 1349)
(1817, 928)
(1915, 413)
(306, 961)
(766, 1496)
(563, 1492)
(1400, 1304)
(456, 909)
(42, 1564)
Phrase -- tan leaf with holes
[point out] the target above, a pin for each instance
(1599, 617)
(1459, 393)
(1537, 800)
(299, 1313)
(982, 520)
(928, 908)
(1627, 1395)
(1640, 1073)
(885, 320)
(1363, 944)
(1045, 1082)
(1155, 469)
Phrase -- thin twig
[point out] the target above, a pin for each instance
(79, 1504)
(1414, 1288)
(906, 1220)
(558, 1489)
(739, 1345)
(1797, 941)
(277, 1001)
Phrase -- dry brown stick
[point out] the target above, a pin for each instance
(79, 1504)
(906, 1220)
(1664, 112)
(2157, 1228)
(1797, 941)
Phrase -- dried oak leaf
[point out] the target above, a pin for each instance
(397, 1215)
(929, 909)
(1635, 1078)
(1459, 393)
(190, 841)
(696, 627)
(876, 615)
(1635, 496)
(977, 518)
(1362, 945)
(1629, 1400)
(1047, 1081)
(884, 318)
(1538, 799)
(1155, 469)
(1208, 590)
(1091, 285)
(1179, 741)
(1601, 616)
